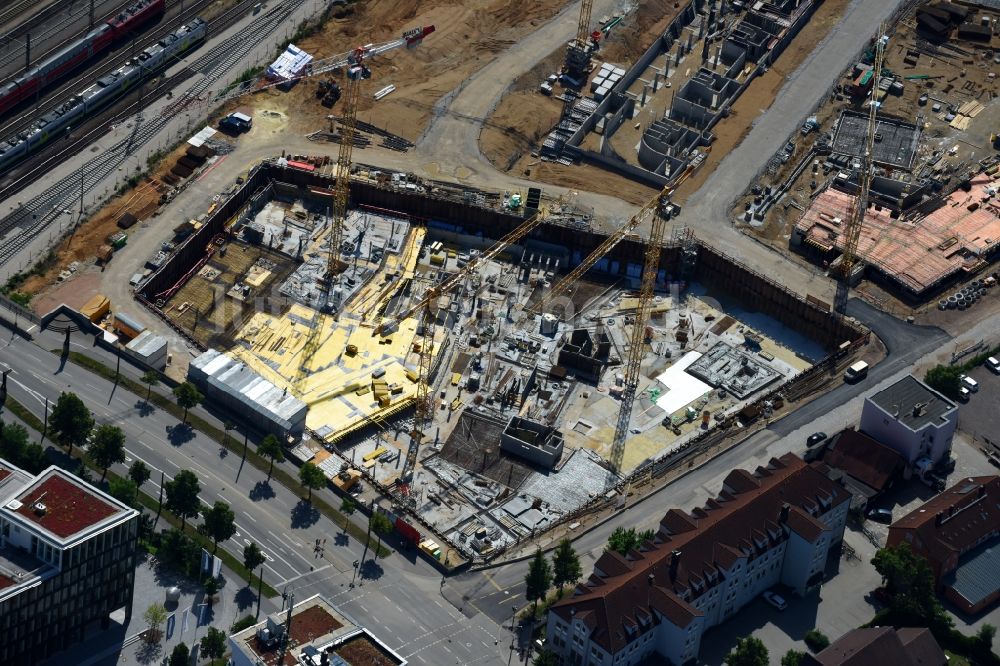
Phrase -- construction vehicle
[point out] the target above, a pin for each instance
(849, 260)
(347, 478)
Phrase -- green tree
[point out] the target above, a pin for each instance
(150, 378)
(816, 640)
(623, 540)
(139, 473)
(71, 421)
(182, 496)
(347, 507)
(253, 557)
(270, 447)
(538, 580)
(312, 477)
(909, 583)
(749, 651)
(188, 396)
(381, 525)
(13, 441)
(213, 644)
(545, 658)
(107, 448)
(566, 568)
(180, 551)
(124, 490)
(180, 656)
(793, 658)
(985, 636)
(154, 617)
(35, 459)
(211, 587)
(16, 448)
(944, 378)
(220, 523)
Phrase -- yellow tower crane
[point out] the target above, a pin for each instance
(852, 233)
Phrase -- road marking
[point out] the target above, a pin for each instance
(492, 582)
(249, 516)
(307, 573)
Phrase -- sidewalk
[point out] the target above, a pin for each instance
(187, 620)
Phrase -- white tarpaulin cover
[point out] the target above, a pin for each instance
(681, 388)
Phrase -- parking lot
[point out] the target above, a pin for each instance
(978, 416)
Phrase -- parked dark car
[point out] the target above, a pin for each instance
(880, 515)
(815, 438)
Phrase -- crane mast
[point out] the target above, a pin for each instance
(654, 246)
(577, 62)
(356, 72)
(852, 234)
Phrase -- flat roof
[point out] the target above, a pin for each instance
(895, 140)
(242, 382)
(71, 507)
(915, 404)
(147, 343)
(976, 578)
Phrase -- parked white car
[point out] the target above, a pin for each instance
(775, 600)
(993, 365)
(969, 383)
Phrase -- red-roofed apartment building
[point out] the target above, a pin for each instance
(958, 532)
(775, 525)
(67, 561)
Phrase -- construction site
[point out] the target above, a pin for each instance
(922, 107)
(653, 121)
(429, 341)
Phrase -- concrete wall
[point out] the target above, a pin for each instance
(714, 269)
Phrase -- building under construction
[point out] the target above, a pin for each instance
(523, 403)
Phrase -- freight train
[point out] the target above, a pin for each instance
(121, 26)
(73, 110)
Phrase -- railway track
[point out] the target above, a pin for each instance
(38, 20)
(110, 62)
(35, 215)
(14, 10)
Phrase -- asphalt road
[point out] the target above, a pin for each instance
(401, 599)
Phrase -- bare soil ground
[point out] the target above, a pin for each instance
(534, 114)
(468, 34)
(761, 94)
(74, 292)
(141, 201)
